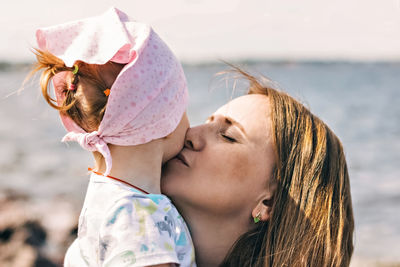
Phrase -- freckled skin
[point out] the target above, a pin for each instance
(224, 178)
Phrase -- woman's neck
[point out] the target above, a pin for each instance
(139, 165)
(213, 236)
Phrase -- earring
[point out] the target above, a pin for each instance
(258, 217)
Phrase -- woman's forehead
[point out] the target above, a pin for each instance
(246, 107)
(251, 111)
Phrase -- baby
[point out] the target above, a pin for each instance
(122, 95)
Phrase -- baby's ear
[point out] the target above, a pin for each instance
(109, 72)
(60, 84)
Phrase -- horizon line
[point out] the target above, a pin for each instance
(20, 64)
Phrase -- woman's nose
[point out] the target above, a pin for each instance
(194, 139)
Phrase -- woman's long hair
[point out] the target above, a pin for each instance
(312, 218)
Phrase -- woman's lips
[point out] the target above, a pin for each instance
(182, 158)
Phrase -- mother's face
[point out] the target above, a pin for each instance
(226, 165)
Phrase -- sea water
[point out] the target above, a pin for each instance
(359, 101)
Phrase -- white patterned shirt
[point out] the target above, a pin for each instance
(121, 226)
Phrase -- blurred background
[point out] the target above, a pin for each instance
(341, 58)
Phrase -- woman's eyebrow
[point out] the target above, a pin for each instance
(230, 121)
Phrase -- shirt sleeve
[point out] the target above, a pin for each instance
(73, 257)
(136, 232)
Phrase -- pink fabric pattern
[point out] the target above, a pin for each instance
(149, 96)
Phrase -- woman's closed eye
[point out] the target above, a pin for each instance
(225, 129)
(228, 137)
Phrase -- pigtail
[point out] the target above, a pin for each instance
(51, 65)
(85, 91)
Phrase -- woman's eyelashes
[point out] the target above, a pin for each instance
(230, 139)
(227, 136)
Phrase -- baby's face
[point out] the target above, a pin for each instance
(175, 140)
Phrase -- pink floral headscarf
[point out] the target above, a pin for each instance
(149, 96)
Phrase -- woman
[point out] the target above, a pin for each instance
(263, 182)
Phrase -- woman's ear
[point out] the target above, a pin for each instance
(263, 209)
(262, 212)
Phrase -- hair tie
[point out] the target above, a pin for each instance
(76, 69)
(107, 92)
(72, 87)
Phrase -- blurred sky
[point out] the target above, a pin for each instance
(204, 30)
